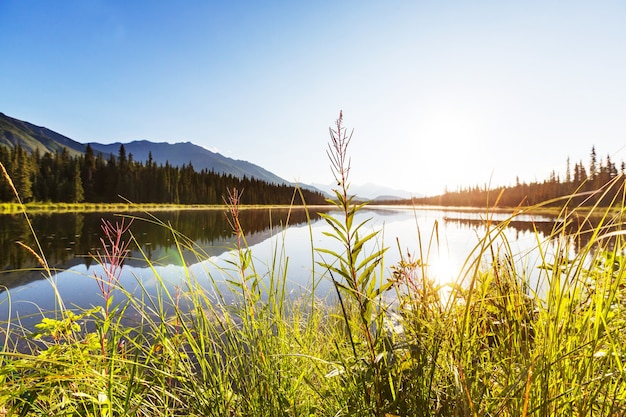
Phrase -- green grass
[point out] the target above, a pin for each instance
(502, 340)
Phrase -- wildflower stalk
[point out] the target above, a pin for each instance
(353, 272)
(251, 293)
(115, 250)
(233, 203)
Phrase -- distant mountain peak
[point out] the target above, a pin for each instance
(14, 132)
(370, 191)
(33, 138)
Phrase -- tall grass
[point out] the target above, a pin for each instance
(504, 339)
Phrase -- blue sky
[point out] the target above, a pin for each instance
(439, 94)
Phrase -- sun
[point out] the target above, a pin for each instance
(444, 269)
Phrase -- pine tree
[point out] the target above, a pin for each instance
(88, 174)
(593, 169)
(75, 192)
(22, 171)
(5, 160)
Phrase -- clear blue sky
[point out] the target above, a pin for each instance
(439, 93)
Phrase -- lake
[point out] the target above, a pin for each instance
(70, 241)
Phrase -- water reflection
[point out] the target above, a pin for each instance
(582, 227)
(70, 239)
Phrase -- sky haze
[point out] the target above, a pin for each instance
(439, 94)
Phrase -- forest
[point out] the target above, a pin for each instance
(579, 185)
(93, 178)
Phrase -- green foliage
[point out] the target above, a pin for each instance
(353, 273)
(60, 177)
(603, 184)
(502, 340)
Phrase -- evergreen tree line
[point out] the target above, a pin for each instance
(93, 178)
(578, 179)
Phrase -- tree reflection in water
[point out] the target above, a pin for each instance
(70, 239)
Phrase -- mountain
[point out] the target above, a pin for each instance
(15, 132)
(181, 153)
(371, 191)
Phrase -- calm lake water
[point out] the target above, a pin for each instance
(69, 242)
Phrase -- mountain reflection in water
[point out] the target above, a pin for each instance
(70, 239)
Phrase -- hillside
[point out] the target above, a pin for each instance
(14, 132)
(179, 154)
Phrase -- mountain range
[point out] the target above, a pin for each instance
(370, 191)
(32, 138)
(14, 132)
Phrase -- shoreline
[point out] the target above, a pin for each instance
(37, 208)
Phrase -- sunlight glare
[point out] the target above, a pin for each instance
(444, 269)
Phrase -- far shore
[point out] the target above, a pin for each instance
(38, 208)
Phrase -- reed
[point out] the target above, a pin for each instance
(508, 337)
